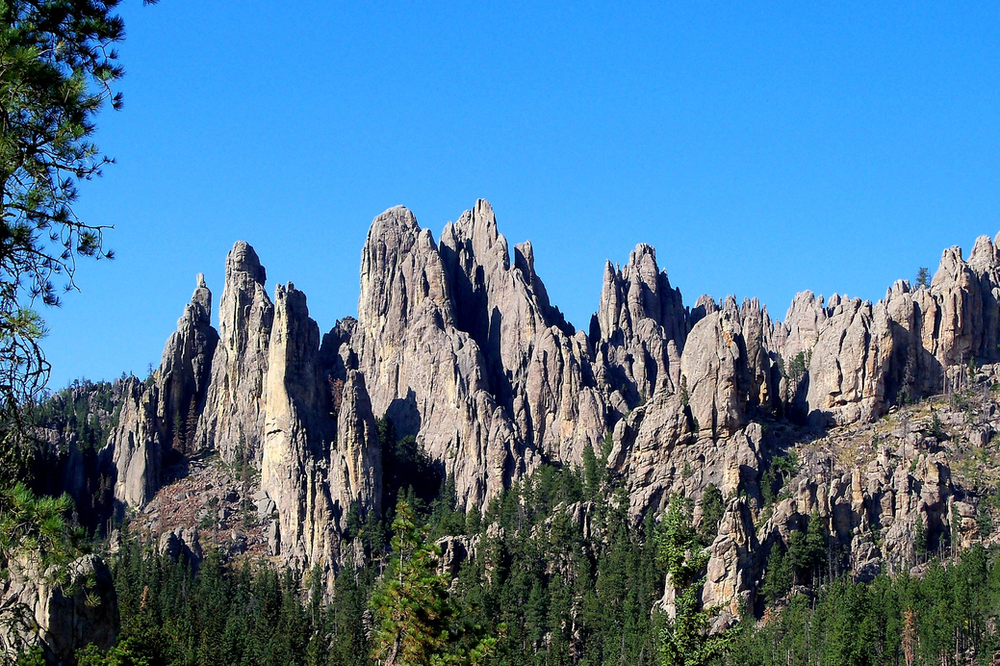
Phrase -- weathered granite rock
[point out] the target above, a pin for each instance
(640, 327)
(298, 432)
(458, 343)
(233, 419)
(58, 621)
(658, 452)
(428, 376)
(132, 451)
(158, 420)
(537, 369)
(356, 457)
(849, 364)
(715, 375)
(181, 541)
(730, 577)
(184, 374)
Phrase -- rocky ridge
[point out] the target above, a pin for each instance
(456, 342)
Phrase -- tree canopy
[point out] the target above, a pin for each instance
(58, 69)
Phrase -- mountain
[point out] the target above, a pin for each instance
(839, 412)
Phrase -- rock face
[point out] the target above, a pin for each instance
(298, 432)
(356, 457)
(158, 421)
(459, 345)
(132, 450)
(233, 419)
(184, 374)
(462, 348)
(730, 577)
(640, 327)
(65, 621)
(850, 363)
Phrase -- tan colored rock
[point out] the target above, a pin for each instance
(730, 576)
(714, 373)
(956, 289)
(56, 619)
(640, 327)
(233, 419)
(849, 364)
(356, 458)
(297, 434)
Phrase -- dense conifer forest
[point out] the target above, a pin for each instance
(542, 587)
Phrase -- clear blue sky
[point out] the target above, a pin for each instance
(762, 148)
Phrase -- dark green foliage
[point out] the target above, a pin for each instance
(58, 69)
(553, 594)
(807, 551)
(946, 617)
(417, 619)
(228, 614)
(923, 277)
(800, 363)
(37, 525)
(712, 508)
(777, 475)
(684, 639)
(406, 470)
(84, 411)
(778, 574)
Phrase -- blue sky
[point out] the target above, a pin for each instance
(762, 148)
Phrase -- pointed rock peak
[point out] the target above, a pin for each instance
(951, 268)
(984, 255)
(730, 305)
(707, 303)
(201, 302)
(899, 287)
(480, 220)
(642, 253)
(524, 259)
(287, 293)
(750, 305)
(243, 259)
(476, 232)
(802, 302)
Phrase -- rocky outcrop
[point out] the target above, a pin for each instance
(715, 377)
(158, 419)
(640, 328)
(459, 345)
(298, 433)
(659, 453)
(60, 619)
(428, 376)
(537, 368)
(731, 576)
(133, 452)
(233, 419)
(183, 377)
(356, 456)
(849, 364)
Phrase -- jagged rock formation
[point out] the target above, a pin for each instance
(132, 450)
(38, 612)
(182, 379)
(640, 328)
(458, 344)
(233, 419)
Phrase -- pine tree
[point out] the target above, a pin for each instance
(417, 620)
(684, 640)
